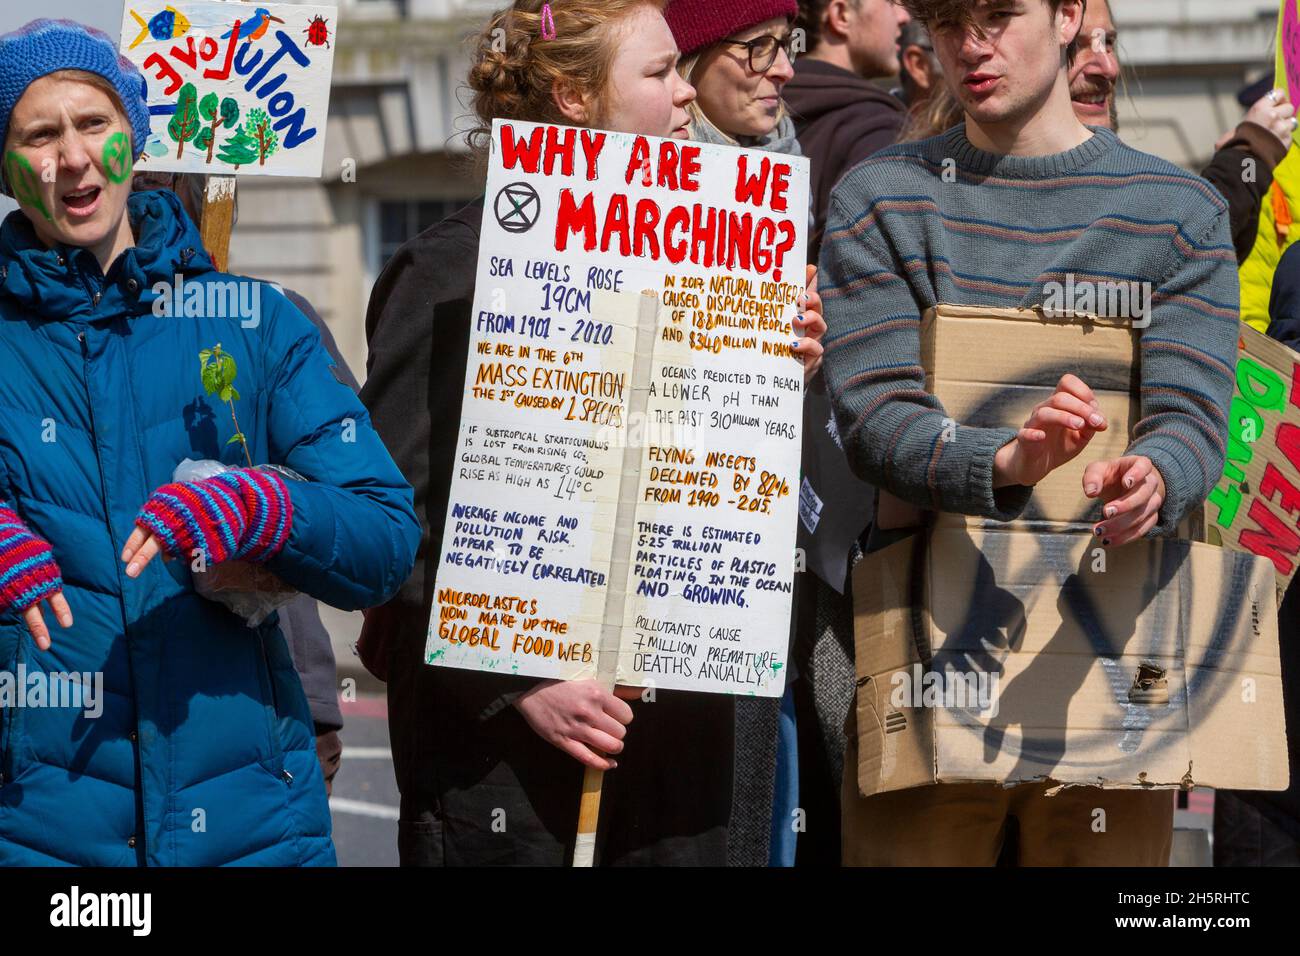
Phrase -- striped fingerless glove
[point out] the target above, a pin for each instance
(235, 516)
(28, 573)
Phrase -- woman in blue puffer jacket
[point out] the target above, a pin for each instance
(183, 736)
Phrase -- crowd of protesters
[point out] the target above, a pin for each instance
(1018, 98)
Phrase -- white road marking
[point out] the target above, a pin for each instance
(367, 753)
(362, 808)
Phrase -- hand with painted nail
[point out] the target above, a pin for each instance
(808, 349)
(1132, 491)
(28, 577)
(1056, 432)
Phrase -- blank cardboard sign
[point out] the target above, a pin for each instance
(1007, 656)
(990, 367)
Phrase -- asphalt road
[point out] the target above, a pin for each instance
(364, 803)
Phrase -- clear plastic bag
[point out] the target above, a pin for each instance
(249, 590)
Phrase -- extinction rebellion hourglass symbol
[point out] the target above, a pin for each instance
(517, 207)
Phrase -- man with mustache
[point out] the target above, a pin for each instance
(1244, 158)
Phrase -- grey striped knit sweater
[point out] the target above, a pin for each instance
(900, 239)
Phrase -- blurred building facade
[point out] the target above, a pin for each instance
(1185, 62)
(395, 161)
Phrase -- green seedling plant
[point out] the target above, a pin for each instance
(218, 371)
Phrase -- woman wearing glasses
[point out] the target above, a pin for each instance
(737, 55)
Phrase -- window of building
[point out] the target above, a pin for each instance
(404, 220)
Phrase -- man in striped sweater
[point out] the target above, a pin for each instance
(1004, 211)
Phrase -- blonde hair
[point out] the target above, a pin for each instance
(937, 113)
(514, 70)
(699, 120)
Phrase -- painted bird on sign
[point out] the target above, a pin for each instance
(254, 29)
(167, 24)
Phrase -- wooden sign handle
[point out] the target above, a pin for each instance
(218, 219)
(647, 310)
(584, 847)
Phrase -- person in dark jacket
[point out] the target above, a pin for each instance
(840, 116)
(1244, 160)
(200, 750)
(739, 57)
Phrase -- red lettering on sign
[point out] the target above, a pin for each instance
(1288, 442)
(1273, 540)
(639, 162)
(560, 145)
(1273, 481)
(572, 218)
(751, 188)
(691, 168)
(518, 152)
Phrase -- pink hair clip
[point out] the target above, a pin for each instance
(548, 23)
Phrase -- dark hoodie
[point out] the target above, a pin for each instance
(841, 119)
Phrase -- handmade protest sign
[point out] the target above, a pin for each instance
(1287, 71)
(1256, 504)
(233, 87)
(577, 224)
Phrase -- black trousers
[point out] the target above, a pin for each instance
(479, 787)
(1243, 836)
(1256, 828)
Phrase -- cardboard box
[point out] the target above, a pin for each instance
(990, 367)
(1061, 630)
(1254, 507)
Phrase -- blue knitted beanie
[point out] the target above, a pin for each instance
(43, 47)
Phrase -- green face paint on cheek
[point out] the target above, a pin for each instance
(117, 158)
(24, 183)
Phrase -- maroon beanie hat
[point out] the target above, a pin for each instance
(697, 24)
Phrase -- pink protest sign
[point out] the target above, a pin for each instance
(1288, 49)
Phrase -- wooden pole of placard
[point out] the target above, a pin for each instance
(584, 849)
(218, 218)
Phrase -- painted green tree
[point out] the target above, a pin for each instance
(215, 116)
(239, 150)
(258, 125)
(185, 122)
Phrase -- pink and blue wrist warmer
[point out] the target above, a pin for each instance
(236, 516)
(28, 573)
